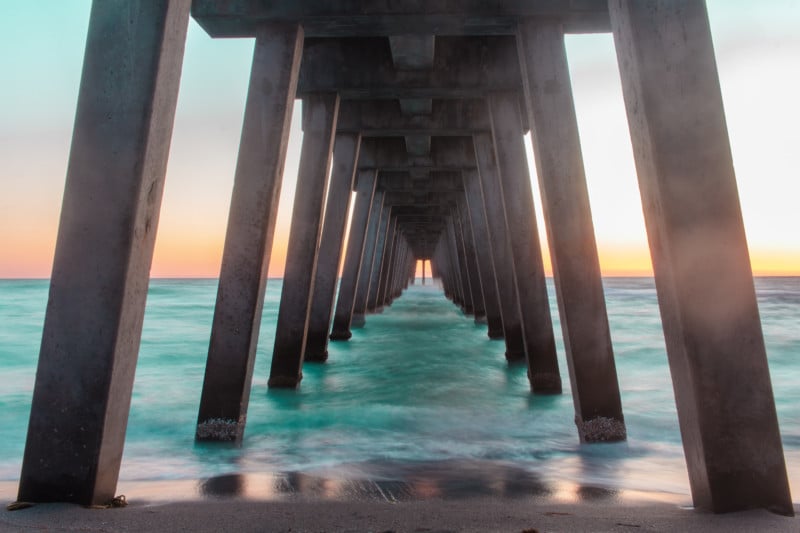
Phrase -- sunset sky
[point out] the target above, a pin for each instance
(42, 44)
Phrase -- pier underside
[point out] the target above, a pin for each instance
(419, 108)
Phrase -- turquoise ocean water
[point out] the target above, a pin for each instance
(419, 402)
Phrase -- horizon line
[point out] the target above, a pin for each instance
(547, 276)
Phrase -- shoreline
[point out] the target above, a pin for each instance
(479, 514)
(302, 502)
(299, 502)
(444, 482)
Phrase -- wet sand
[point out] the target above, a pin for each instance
(406, 497)
(479, 514)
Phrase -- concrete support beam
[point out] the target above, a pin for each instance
(248, 241)
(397, 248)
(512, 164)
(381, 239)
(319, 126)
(449, 271)
(390, 154)
(343, 173)
(418, 145)
(483, 252)
(323, 18)
(104, 248)
(375, 304)
(697, 240)
(455, 269)
(365, 268)
(446, 260)
(464, 67)
(398, 271)
(401, 277)
(573, 252)
(443, 268)
(461, 297)
(365, 191)
(384, 118)
(440, 266)
(500, 246)
(432, 182)
(472, 264)
(416, 106)
(412, 267)
(412, 52)
(468, 285)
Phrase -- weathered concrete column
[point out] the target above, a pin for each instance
(251, 226)
(411, 268)
(512, 164)
(365, 191)
(447, 272)
(500, 246)
(483, 252)
(573, 252)
(403, 270)
(442, 267)
(439, 269)
(463, 260)
(393, 267)
(383, 237)
(699, 251)
(319, 125)
(115, 179)
(476, 285)
(386, 266)
(401, 273)
(365, 268)
(343, 172)
(462, 297)
(439, 264)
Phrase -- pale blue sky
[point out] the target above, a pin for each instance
(42, 41)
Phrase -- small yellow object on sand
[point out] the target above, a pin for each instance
(119, 501)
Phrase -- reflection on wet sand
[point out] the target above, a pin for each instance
(395, 481)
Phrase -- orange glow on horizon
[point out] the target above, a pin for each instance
(625, 261)
(200, 256)
(767, 262)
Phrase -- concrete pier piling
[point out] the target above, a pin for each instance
(365, 271)
(383, 236)
(470, 257)
(245, 257)
(477, 217)
(354, 255)
(319, 125)
(495, 210)
(534, 309)
(103, 252)
(343, 173)
(422, 107)
(573, 252)
(461, 294)
(454, 227)
(387, 262)
(699, 251)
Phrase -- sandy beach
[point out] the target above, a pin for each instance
(441, 504)
(471, 514)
